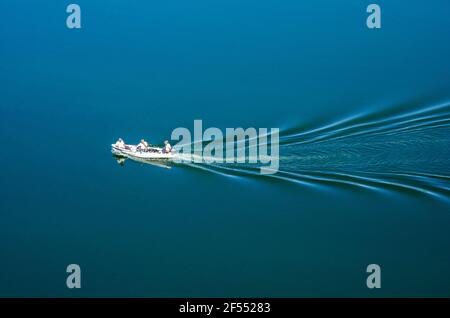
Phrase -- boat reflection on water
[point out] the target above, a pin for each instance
(120, 160)
(154, 162)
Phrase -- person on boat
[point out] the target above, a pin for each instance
(167, 147)
(142, 146)
(119, 143)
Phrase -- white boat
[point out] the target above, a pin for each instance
(129, 151)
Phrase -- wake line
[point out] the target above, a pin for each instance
(405, 152)
(315, 178)
(356, 125)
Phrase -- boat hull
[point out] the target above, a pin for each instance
(131, 153)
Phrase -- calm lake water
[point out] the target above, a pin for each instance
(364, 157)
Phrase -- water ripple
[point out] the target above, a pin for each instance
(385, 151)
